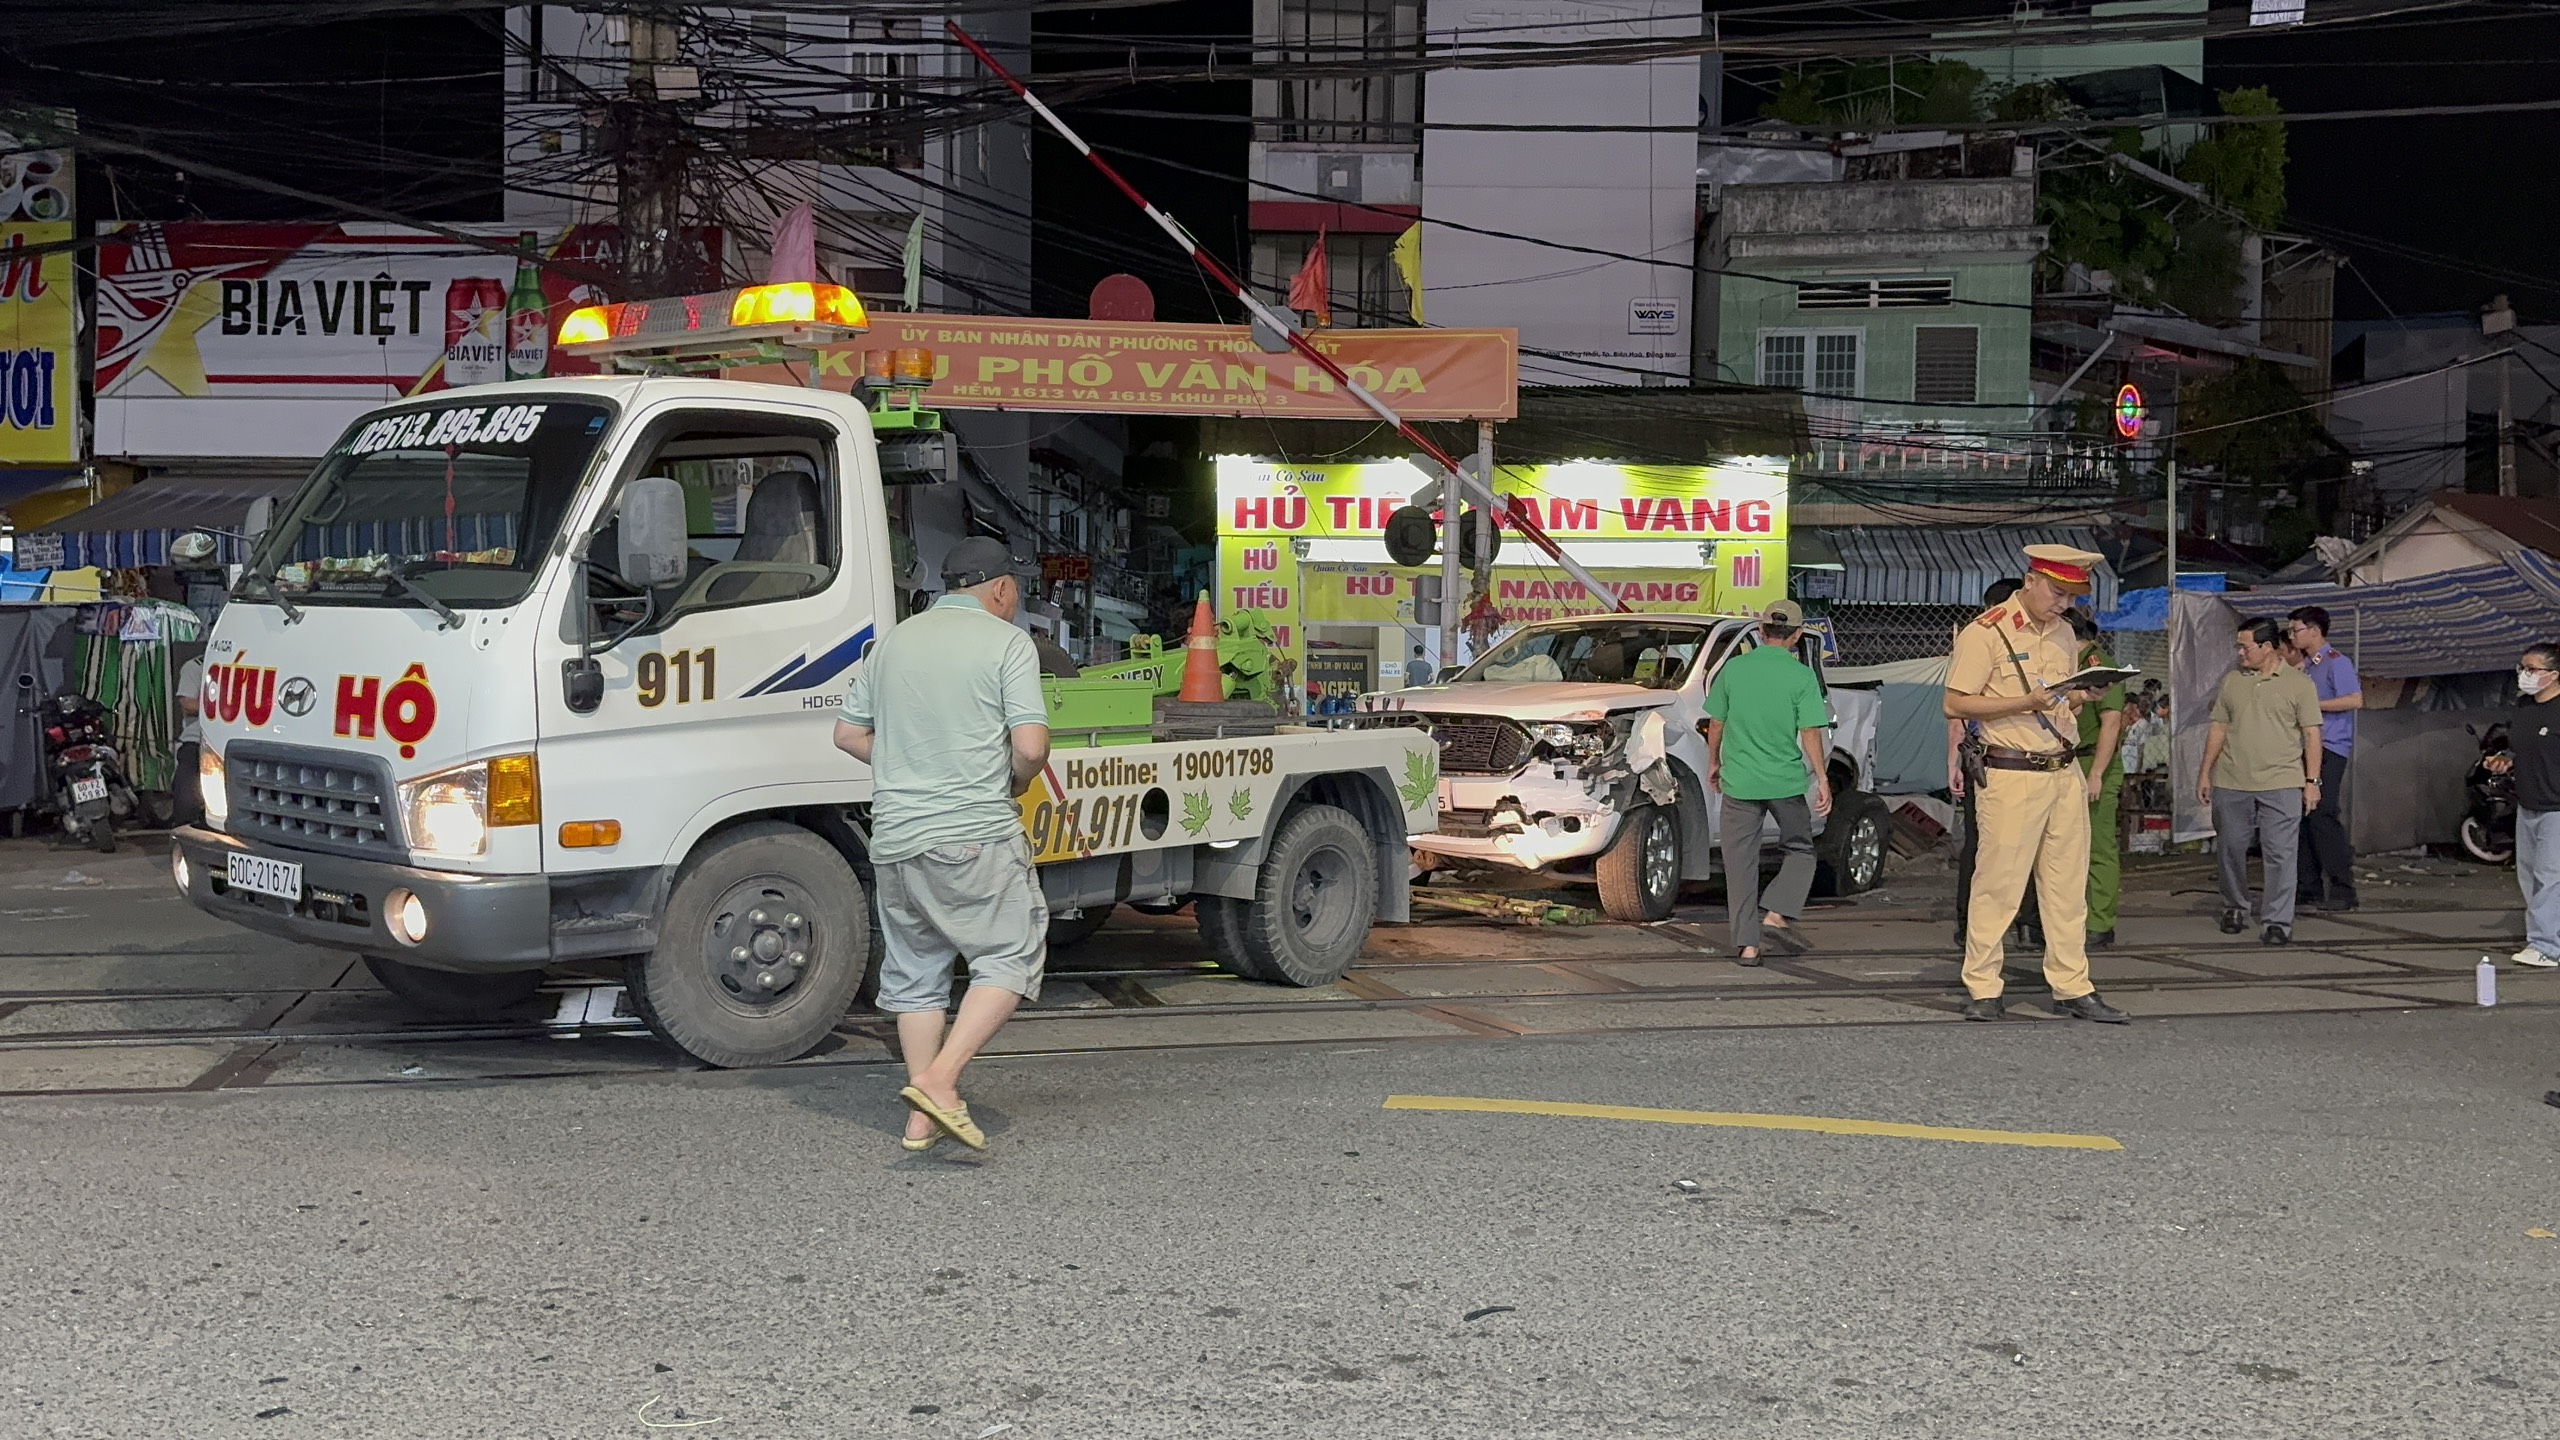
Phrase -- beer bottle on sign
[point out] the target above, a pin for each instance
(528, 319)
(475, 342)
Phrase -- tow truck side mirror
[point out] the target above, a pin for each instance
(653, 533)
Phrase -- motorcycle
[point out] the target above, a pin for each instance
(2489, 818)
(89, 784)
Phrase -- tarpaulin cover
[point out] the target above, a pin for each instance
(2453, 622)
(2149, 609)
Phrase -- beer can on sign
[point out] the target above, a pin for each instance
(475, 345)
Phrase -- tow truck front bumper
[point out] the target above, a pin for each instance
(1529, 821)
(474, 922)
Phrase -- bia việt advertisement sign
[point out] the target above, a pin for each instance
(266, 340)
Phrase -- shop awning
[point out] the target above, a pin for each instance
(134, 526)
(1640, 425)
(2454, 622)
(1947, 564)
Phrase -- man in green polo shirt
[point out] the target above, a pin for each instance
(948, 712)
(1765, 718)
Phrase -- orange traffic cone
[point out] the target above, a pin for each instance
(1201, 679)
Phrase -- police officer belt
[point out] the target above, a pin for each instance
(1998, 757)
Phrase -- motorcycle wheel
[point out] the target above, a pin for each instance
(101, 835)
(2488, 844)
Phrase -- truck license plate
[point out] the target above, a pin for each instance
(261, 876)
(85, 788)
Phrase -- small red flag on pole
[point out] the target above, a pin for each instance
(1308, 291)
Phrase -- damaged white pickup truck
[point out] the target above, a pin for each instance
(1579, 746)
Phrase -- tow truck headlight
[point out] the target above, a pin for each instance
(452, 811)
(213, 790)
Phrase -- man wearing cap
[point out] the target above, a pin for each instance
(948, 713)
(1765, 718)
(2032, 809)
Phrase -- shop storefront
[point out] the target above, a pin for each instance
(1303, 544)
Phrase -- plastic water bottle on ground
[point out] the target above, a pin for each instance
(2485, 981)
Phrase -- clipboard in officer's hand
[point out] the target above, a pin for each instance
(2096, 677)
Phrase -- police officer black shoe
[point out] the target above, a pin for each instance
(2234, 921)
(1991, 1009)
(2090, 1007)
(2334, 904)
(2102, 939)
(2277, 935)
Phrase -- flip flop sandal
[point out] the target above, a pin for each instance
(914, 1146)
(955, 1121)
(1785, 938)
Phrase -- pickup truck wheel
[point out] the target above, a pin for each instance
(1066, 934)
(1639, 873)
(1315, 899)
(1852, 846)
(453, 994)
(766, 936)
(1222, 930)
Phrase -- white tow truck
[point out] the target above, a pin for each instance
(1579, 746)
(545, 672)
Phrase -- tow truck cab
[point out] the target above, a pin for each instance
(544, 672)
(1579, 745)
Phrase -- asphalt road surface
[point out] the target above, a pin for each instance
(2220, 1222)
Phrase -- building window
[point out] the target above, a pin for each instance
(1360, 271)
(1380, 109)
(1876, 293)
(1823, 362)
(1943, 362)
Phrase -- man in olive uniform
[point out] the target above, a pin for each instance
(2032, 805)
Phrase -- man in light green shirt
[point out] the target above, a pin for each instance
(1765, 722)
(948, 713)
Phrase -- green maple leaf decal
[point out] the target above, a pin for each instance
(1195, 811)
(1421, 779)
(1240, 804)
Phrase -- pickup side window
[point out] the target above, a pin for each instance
(763, 497)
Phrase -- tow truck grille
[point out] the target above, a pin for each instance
(1479, 744)
(311, 800)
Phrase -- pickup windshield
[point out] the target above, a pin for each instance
(1600, 651)
(461, 501)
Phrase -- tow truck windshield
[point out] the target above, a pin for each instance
(437, 506)
(1610, 651)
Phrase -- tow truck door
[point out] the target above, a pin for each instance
(727, 690)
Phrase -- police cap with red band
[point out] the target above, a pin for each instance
(2069, 569)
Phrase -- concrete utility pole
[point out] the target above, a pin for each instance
(2498, 322)
(649, 166)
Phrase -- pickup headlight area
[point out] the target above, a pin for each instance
(213, 786)
(451, 812)
(1573, 740)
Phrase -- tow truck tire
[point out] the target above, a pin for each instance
(771, 890)
(1639, 873)
(1315, 899)
(454, 994)
(1850, 852)
(1222, 930)
(1067, 934)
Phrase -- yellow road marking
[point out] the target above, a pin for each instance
(1819, 1124)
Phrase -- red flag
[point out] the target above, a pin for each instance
(1307, 288)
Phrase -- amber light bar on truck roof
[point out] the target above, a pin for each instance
(725, 327)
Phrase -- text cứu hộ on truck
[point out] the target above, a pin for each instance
(543, 672)
(1579, 746)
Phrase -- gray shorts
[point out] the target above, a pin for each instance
(980, 903)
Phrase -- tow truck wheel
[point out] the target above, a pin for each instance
(1222, 929)
(1639, 873)
(765, 938)
(455, 994)
(1315, 899)
(1066, 934)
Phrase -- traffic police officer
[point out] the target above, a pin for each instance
(2031, 802)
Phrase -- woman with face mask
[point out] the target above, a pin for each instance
(2533, 757)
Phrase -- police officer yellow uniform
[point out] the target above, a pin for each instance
(2031, 805)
